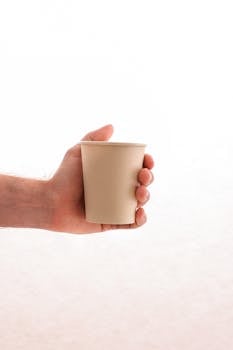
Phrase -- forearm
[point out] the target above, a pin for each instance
(24, 203)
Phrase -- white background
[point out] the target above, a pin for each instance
(161, 73)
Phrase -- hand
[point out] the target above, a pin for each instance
(66, 188)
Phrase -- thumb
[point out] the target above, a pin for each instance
(102, 134)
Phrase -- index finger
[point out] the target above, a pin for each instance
(148, 161)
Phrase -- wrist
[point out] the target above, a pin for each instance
(39, 212)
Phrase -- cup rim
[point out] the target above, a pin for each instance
(109, 143)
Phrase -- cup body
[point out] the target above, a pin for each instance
(110, 172)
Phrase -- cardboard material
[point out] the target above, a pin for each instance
(110, 178)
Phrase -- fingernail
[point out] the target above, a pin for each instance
(147, 195)
(143, 219)
(150, 177)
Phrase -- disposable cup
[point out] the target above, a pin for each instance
(110, 171)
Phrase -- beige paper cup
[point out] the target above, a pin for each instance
(110, 178)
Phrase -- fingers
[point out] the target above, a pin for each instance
(145, 177)
(142, 195)
(102, 134)
(148, 161)
(140, 219)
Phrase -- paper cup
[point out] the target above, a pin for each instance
(110, 172)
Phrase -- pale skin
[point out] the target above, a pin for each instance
(57, 204)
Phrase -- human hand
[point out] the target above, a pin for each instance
(66, 189)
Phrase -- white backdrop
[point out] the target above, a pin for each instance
(161, 73)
